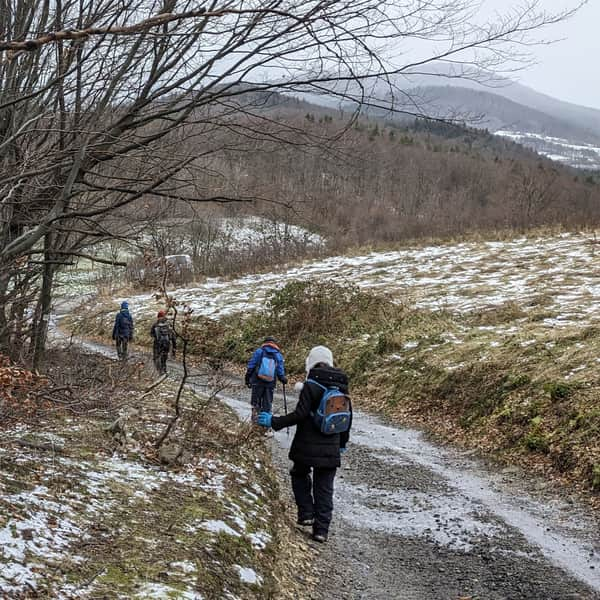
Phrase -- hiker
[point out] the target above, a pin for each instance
(164, 338)
(323, 418)
(123, 330)
(264, 368)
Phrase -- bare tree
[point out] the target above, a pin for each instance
(108, 103)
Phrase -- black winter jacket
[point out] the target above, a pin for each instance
(172, 336)
(310, 447)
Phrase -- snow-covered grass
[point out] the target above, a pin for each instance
(87, 521)
(243, 232)
(48, 525)
(478, 298)
(559, 272)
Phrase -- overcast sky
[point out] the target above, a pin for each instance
(568, 69)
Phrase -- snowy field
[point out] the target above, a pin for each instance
(559, 273)
(241, 232)
(580, 156)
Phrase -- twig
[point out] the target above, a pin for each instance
(47, 446)
(177, 414)
(154, 385)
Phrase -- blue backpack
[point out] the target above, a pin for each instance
(266, 368)
(333, 414)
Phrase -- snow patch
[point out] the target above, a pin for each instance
(248, 575)
(260, 539)
(215, 526)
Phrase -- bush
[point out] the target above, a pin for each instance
(537, 442)
(303, 314)
(558, 390)
(310, 309)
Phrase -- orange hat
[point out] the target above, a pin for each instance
(161, 314)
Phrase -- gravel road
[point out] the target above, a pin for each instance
(417, 521)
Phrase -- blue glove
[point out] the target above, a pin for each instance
(264, 419)
(343, 451)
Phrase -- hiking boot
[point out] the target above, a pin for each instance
(306, 522)
(320, 537)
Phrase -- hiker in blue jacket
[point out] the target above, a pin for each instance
(264, 368)
(123, 330)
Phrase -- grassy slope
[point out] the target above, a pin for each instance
(492, 378)
(96, 519)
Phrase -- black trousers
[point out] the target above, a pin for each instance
(121, 347)
(160, 358)
(314, 495)
(261, 399)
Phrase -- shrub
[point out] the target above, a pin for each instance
(304, 309)
(558, 390)
(537, 442)
(303, 314)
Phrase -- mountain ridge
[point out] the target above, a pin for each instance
(563, 131)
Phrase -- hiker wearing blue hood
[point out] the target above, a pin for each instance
(123, 330)
(264, 368)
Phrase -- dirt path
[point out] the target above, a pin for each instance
(420, 522)
(416, 521)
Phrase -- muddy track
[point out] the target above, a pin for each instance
(415, 521)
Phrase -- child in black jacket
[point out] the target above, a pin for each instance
(311, 449)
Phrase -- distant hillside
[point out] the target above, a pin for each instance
(560, 139)
(585, 120)
(562, 131)
(492, 111)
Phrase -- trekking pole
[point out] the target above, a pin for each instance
(285, 408)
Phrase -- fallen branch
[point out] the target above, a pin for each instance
(152, 386)
(46, 446)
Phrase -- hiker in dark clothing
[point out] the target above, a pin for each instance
(123, 330)
(164, 339)
(311, 449)
(264, 368)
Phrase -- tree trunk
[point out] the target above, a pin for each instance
(40, 332)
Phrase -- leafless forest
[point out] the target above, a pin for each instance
(115, 114)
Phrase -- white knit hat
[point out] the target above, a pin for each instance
(319, 354)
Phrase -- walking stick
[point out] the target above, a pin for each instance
(285, 408)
